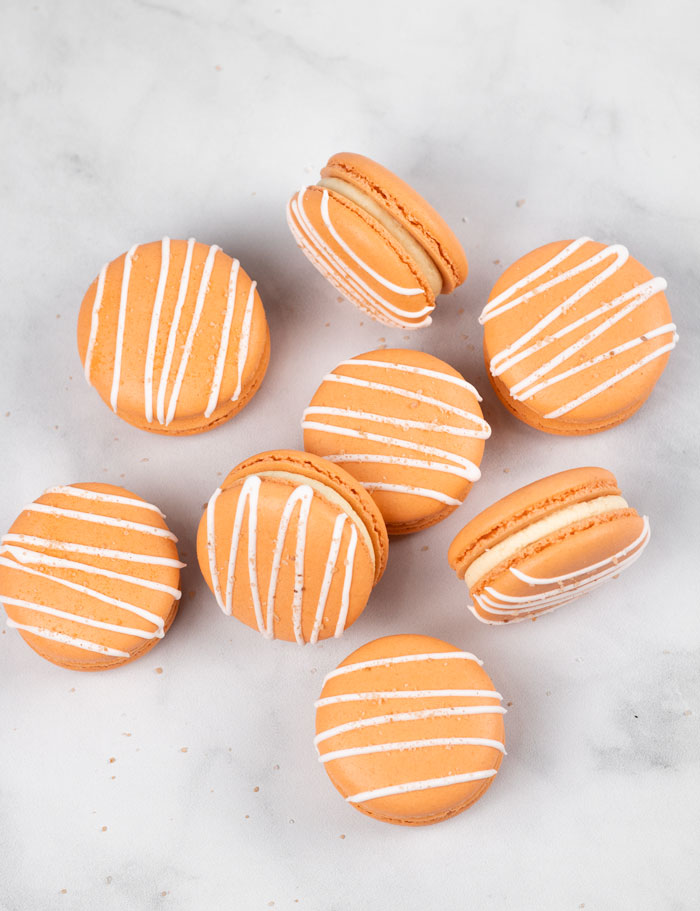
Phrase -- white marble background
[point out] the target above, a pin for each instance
(524, 123)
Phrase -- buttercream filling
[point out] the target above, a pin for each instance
(507, 548)
(397, 230)
(332, 496)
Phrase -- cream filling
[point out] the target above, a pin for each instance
(507, 548)
(332, 496)
(410, 244)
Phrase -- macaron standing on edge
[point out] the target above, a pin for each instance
(410, 729)
(89, 576)
(377, 240)
(546, 544)
(407, 426)
(292, 546)
(576, 334)
(173, 336)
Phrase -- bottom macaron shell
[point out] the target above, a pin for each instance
(557, 569)
(291, 566)
(410, 729)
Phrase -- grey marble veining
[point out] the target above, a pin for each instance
(523, 123)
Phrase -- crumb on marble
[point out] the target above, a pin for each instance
(256, 789)
(108, 880)
(509, 704)
(183, 749)
(125, 734)
(519, 203)
(496, 262)
(341, 836)
(425, 547)
(112, 758)
(159, 670)
(145, 460)
(103, 829)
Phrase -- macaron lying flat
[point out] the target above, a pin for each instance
(546, 544)
(407, 426)
(576, 334)
(173, 336)
(410, 729)
(89, 576)
(292, 546)
(380, 243)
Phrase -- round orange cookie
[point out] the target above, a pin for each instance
(405, 424)
(380, 243)
(546, 544)
(576, 334)
(410, 729)
(292, 545)
(173, 336)
(89, 576)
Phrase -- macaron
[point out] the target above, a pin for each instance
(576, 334)
(546, 544)
(407, 426)
(292, 545)
(377, 240)
(89, 576)
(410, 729)
(173, 336)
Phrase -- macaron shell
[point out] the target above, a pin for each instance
(332, 590)
(41, 564)
(543, 387)
(383, 394)
(569, 563)
(409, 208)
(528, 504)
(168, 310)
(360, 257)
(334, 476)
(359, 773)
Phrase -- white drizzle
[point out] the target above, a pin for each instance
(105, 552)
(224, 340)
(409, 368)
(412, 745)
(422, 785)
(68, 640)
(121, 323)
(95, 320)
(406, 694)
(100, 520)
(100, 497)
(172, 335)
(401, 659)
(542, 377)
(155, 326)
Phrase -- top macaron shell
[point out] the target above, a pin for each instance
(89, 576)
(561, 565)
(364, 260)
(279, 546)
(173, 336)
(576, 334)
(407, 425)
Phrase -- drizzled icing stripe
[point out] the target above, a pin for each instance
(542, 378)
(87, 549)
(397, 460)
(85, 621)
(333, 266)
(245, 340)
(423, 785)
(83, 590)
(121, 323)
(406, 694)
(153, 331)
(248, 500)
(95, 320)
(568, 586)
(403, 423)
(449, 712)
(189, 341)
(172, 335)
(224, 340)
(409, 368)
(412, 491)
(37, 558)
(412, 745)
(70, 491)
(68, 640)
(401, 659)
(98, 519)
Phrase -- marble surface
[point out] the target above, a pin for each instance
(188, 780)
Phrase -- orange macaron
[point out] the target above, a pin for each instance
(576, 334)
(410, 729)
(292, 546)
(546, 544)
(89, 576)
(377, 240)
(407, 426)
(173, 336)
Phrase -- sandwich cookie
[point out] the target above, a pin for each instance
(547, 543)
(89, 576)
(410, 729)
(576, 334)
(292, 546)
(173, 336)
(380, 243)
(407, 426)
